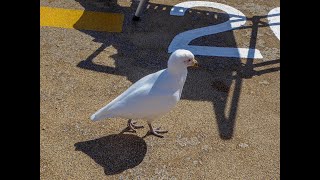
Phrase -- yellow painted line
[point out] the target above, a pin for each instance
(82, 20)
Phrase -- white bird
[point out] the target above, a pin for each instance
(153, 95)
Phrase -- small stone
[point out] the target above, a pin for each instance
(243, 145)
(194, 141)
(264, 82)
(182, 142)
(195, 162)
(205, 147)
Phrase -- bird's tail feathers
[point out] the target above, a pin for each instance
(94, 117)
(100, 116)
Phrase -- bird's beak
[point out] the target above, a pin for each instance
(195, 63)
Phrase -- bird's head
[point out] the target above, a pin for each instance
(181, 59)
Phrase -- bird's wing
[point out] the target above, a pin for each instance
(133, 93)
(151, 100)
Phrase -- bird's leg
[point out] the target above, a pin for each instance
(156, 131)
(132, 125)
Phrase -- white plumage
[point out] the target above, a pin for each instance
(152, 96)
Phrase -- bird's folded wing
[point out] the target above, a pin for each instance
(122, 104)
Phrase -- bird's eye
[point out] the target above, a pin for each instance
(189, 60)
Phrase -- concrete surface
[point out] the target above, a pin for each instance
(226, 126)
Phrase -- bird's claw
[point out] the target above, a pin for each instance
(157, 131)
(132, 125)
(136, 126)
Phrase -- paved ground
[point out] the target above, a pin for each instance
(227, 125)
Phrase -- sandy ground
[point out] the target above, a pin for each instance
(226, 126)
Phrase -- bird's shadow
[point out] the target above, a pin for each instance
(115, 153)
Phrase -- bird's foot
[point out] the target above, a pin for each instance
(157, 131)
(132, 125)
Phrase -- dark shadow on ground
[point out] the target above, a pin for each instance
(115, 153)
(142, 49)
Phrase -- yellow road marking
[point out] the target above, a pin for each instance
(82, 20)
